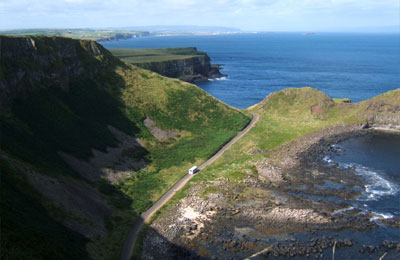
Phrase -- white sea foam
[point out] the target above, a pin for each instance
(376, 185)
(336, 147)
(327, 159)
(380, 216)
(221, 78)
(342, 210)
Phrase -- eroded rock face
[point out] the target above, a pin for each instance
(194, 69)
(382, 111)
(51, 59)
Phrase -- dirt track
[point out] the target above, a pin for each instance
(129, 244)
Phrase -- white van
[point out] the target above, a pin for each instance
(193, 170)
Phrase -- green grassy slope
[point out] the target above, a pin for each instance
(388, 102)
(284, 116)
(70, 112)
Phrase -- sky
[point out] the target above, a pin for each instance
(247, 15)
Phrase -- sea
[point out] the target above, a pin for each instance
(355, 66)
(375, 157)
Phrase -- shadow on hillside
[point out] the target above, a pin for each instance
(64, 104)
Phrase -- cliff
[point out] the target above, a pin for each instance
(78, 159)
(382, 111)
(29, 62)
(187, 64)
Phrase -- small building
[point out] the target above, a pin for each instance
(193, 170)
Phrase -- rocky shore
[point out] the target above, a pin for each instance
(291, 205)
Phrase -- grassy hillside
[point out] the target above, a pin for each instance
(46, 113)
(284, 116)
(384, 103)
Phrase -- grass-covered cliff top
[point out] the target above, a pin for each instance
(89, 34)
(388, 102)
(137, 56)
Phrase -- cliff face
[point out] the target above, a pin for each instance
(187, 64)
(192, 69)
(47, 88)
(27, 62)
(382, 111)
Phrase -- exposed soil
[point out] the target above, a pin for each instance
(280, 210)
(157, 132)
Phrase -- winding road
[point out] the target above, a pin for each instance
(130, 240)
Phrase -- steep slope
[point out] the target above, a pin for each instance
(73, 118)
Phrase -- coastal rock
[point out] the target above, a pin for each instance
(193, 69)
(60, 64)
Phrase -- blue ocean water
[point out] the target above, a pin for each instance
(357, 66)
(375, 157)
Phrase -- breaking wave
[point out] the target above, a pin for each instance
(221, 78)
(376, 185)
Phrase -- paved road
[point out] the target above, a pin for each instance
(129, 244)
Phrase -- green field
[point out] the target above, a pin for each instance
(136, 56)
(342, 100)
(88, 34)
